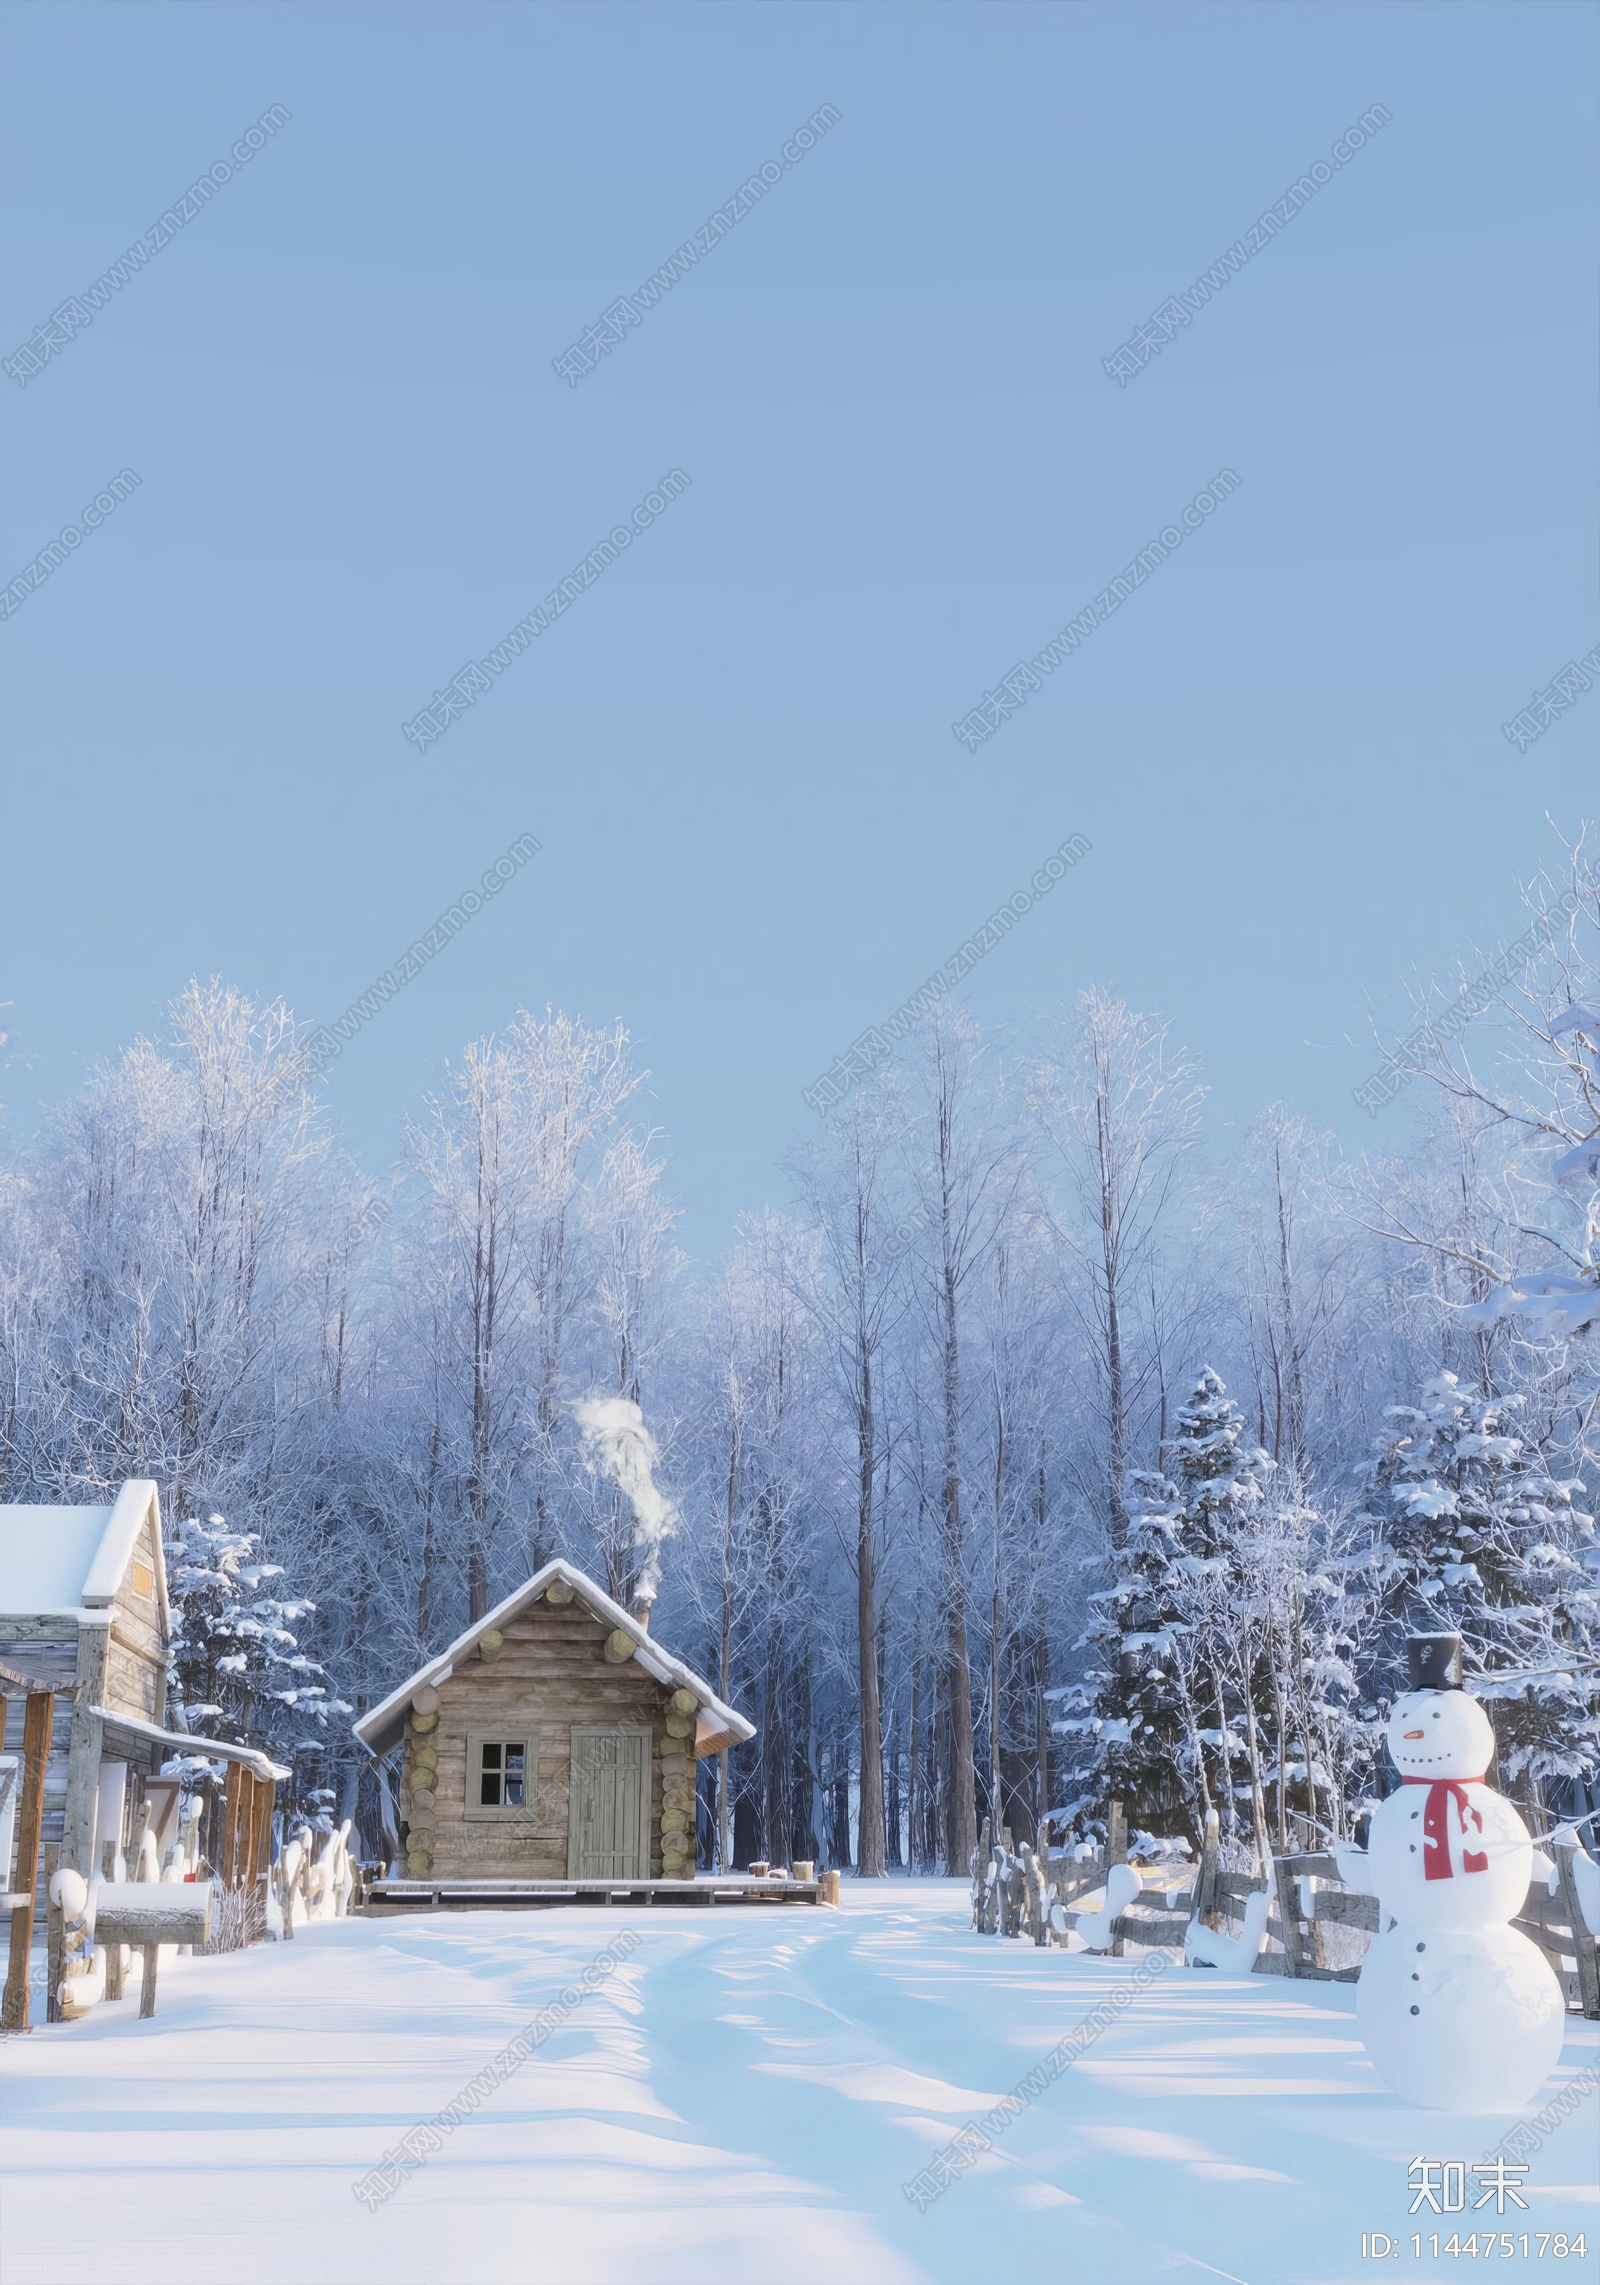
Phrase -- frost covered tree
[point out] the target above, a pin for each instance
(752, 1472)
(909, 1431)
(1522, 1093)
(1165, 1687)
(965, 1176)
(1115, 1109)
(236, 1667)
(1132, 1714)
(510, 1160)
(1470, 1533)
(181, 1200)
(1217, 1672)
(856, 1296)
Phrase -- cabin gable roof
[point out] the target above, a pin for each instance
(71, 1562)
(381, 1729)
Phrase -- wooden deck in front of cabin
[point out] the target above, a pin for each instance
(385, 1898)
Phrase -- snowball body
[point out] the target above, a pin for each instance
(1460, 2019)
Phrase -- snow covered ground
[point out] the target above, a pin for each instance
(743, 2098)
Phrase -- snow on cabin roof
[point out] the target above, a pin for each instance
(71, 1560)
(380, 1730)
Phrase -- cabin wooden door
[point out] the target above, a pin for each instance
(608, 1830)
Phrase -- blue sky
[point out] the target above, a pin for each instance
(909, 468)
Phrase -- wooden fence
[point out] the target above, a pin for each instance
(1016, 1892)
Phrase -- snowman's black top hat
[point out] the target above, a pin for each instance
(1433, 1661)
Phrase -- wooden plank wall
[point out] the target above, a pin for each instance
(136, 1666)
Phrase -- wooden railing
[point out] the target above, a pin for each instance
(1016, 1892)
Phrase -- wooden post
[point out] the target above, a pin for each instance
(249, 1841)
(147, 1988)
(1116, 1853)
(228, 1863)
(1283, 1887)
(260, 1854)
(52, 1939)
(1205, 1887)
(1585, 1949)
(30, 1825)
(141, 1825)
(83, 1750)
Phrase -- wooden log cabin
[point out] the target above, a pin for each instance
(555, 1742)
(85, 1632)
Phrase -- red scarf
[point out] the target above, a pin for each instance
(1436, 1863)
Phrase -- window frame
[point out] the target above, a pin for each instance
(479, 1813)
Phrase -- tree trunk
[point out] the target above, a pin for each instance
(1041, 1767)
(869, 1842)
(961, 1825)
(725, 1655)
(914, 1771)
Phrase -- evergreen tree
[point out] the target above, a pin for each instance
(1218, 1675)
(1157, 1703)
(1126, 1717)
(237, 1668)
(1469, 1533)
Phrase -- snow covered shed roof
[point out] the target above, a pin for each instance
(71, 1561)
(381, 1730)
(197, 1748)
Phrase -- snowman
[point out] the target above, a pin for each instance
(1457, 2010)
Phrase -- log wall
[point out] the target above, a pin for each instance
(550, 1675)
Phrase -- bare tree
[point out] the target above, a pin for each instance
(1117, 1111)
(967, 1170)
(857, 1297)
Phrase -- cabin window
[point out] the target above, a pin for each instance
(144, 1581)
(500, 1774)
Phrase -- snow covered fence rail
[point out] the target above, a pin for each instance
(1284, 1916)
(419, 2143)
(964, 2149)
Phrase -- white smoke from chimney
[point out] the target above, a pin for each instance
(621, 1447)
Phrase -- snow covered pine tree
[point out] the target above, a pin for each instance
(236, 1665)
(1158, 1700)
(1468, 1532)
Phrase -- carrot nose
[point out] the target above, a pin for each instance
(1416, 1733)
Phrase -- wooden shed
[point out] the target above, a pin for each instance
(85, 1632)
(83, 1614)
(554, 1742)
